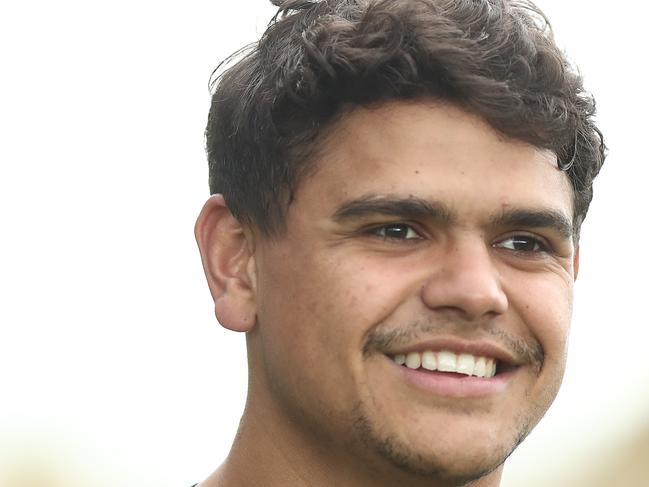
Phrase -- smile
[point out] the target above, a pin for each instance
(446, 361)
(486, 372)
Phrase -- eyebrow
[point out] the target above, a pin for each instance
(369, 205)
(544, 218)
(414, 207)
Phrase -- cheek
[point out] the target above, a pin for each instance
(544, 304)
(299, 306)
(326, 304)
(313, 316)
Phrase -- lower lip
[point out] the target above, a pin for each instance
(454, 385)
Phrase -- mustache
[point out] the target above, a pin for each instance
(383, 338)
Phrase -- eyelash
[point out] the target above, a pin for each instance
(409, 232)
(540, 246)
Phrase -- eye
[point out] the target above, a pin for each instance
(522, 243)
(396, 231)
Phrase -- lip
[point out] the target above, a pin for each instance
(479, 348)
(453, 385)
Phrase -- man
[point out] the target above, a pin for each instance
(398, 188)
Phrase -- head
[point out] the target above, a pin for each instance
(400, 178)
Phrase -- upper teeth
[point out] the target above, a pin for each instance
(446, 361)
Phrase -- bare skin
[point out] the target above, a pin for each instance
(422, 228)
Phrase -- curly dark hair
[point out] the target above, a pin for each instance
(319, 59)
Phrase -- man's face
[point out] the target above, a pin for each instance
(421, 230)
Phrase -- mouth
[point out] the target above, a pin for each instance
(444, 373)
(448, 362)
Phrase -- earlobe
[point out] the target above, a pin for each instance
(227, 254)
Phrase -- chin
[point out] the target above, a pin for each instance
(441, 458)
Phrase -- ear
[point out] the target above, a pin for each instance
(575, 263)
(228, 260)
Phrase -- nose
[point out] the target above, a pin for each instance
(466, 281)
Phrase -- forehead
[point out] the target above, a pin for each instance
(432, 151)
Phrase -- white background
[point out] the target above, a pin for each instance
(113, 370)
